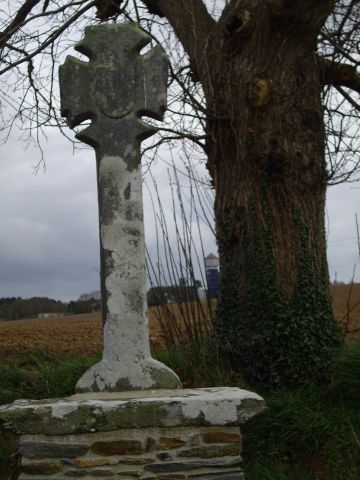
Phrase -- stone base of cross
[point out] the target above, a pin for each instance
(113, 90)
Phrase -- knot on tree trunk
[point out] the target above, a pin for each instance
(240, 23)
(259, 92)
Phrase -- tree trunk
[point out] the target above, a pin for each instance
(266, 159)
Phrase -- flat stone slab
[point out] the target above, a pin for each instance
(108, 411)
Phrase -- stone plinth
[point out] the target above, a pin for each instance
(145, 435)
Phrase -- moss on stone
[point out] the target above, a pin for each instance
(118, 447)
(212, 451)
(133, 415)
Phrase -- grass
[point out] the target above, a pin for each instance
(34, 376)
(199, 365)
(40, 375)
(310, 433)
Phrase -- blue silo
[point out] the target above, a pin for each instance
(212, 274)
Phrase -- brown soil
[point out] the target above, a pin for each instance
(346, 305)
(78, 335)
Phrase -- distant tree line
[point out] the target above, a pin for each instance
(16, 308)
(83, 306)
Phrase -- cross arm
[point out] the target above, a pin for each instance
(156, 73)
(115, 88)
(76, 105)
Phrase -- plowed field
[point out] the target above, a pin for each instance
(77, 335)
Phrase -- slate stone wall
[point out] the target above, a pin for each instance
(145, 435)
(198, 453)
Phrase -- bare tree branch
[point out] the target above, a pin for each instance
(16, 23)
(190, 20)
(348, 98)
(52, 37)
(37, 35)
(339, 74)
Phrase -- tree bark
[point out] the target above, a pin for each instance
(266, 159)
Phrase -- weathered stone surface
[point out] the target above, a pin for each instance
(45, 467)
(120, 447)
(195, 440)
(229, 475)
(90, 473)
(218, 461)
(117, 85)
(26, 476)
(136, 460)
(111, 411)
(172, 467)
(163, 456)
(150, 444)
(102, 473)
(129, 473)
(236, 476)
(171, 476)
(114, 89)
(211, 451)
(86, 462)
(166, 443)
(51, 450)
(221, 437)
(77, 473)
(192, 465)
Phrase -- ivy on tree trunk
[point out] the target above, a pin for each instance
(266, 147)
(263, 80)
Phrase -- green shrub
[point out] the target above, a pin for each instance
(8, 457)
(312, 430)
(40, 376)
(346, 381)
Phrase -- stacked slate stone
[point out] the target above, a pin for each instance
(178, 434)
(181, 453)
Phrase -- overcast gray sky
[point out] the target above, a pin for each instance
(49, 221)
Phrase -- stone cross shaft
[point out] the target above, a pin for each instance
(113, 90)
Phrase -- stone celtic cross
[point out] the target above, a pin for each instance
(113, 90)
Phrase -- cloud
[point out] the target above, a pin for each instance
(49, 235)
(49, 242)
(342, 205)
